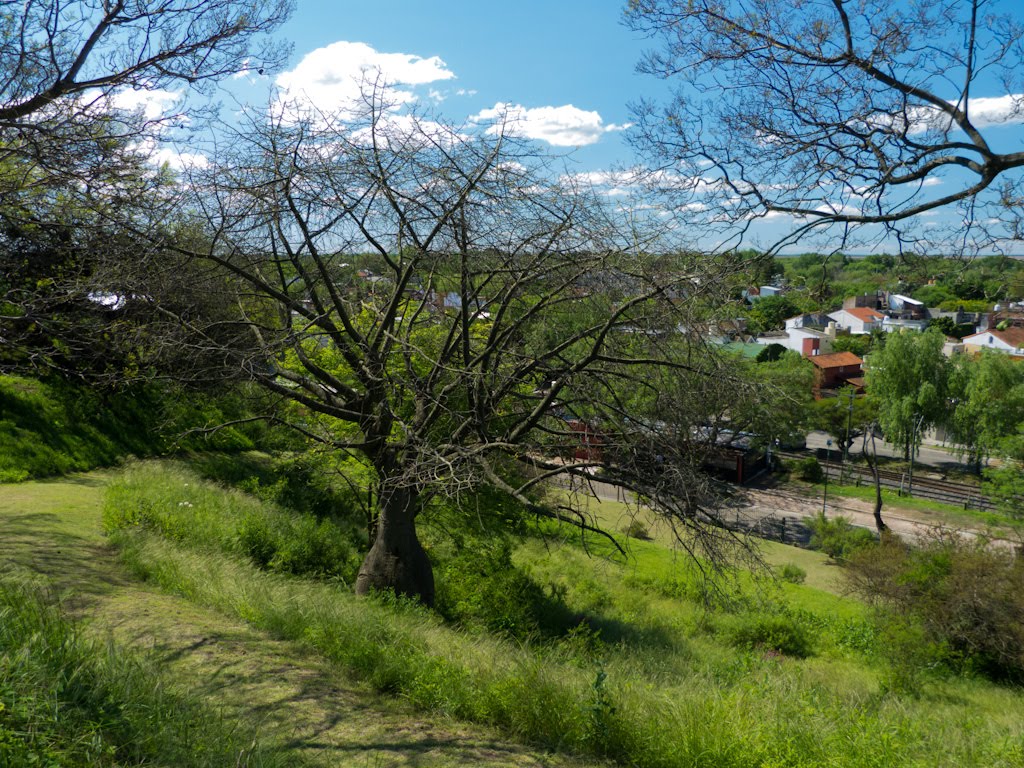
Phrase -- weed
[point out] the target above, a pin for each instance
(793, 573)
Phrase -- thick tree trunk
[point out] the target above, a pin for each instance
(396, 562)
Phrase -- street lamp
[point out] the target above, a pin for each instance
(828, 455)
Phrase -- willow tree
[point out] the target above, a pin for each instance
(440, 304)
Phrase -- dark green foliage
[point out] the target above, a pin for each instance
(809, 470)
(770, 353)
(770, 312)
(860, 344)
(636, 530)
(54, 427)
(302, 482)
(777, 632)
(949, 328)
(300, 545)
(184, 509)
(966, 596)
(838, 538)
(480, 586)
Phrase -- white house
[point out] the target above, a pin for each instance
(807, 341)
(1009, 341)
(858, 319)
(890, 324)
(802, 321)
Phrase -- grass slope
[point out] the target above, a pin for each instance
(650, 677)
(294, 700)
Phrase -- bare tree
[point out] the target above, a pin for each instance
(54, 52)
(433, 302)
(76, 179)
(839, 114)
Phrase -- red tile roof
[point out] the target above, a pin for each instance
(1014, 336)
(866, 314)
(835, 360)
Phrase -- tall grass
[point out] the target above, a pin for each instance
(645, 680)
(178, 505)
(53, 427)
(69, 701)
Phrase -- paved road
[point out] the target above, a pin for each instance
(933, 455)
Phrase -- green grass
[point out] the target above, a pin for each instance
(67, 700)
(939, 512)
(651, 676)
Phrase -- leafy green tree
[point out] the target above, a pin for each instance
(770, 312)
(858, 343)
(781, 409)
(907, 381)
(987, 398)
(948, 327)
(843, 417)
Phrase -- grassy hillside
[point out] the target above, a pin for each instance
(634, 661)
(54, 427)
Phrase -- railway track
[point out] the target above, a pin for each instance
(933, 489)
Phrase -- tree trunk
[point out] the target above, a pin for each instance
(872, 460)
(396, 562)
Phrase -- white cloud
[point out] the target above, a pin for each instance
(998, 110)
(565, 126)
(330, 79)
(154, 104)
(179, 160)
(984, 112)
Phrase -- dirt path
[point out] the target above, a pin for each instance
(53, 528)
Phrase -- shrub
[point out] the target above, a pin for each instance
(179, 506)
(966, 596)
(637, 530)
(809, 470)
(793, 573)
(772, 632)
(838, 538)
(479, 586)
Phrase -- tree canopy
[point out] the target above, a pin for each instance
(838, 114)
(514, 332)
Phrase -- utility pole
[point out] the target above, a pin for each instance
(846, 444)
(824, 495)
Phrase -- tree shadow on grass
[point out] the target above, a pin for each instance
(84, 568)
(297, 700)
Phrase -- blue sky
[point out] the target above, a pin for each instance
(566, 68)
(570, 64)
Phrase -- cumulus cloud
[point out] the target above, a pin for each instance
(998, 110)
(153, 104)
(984, 112)
(330, 79)
(564, 126)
